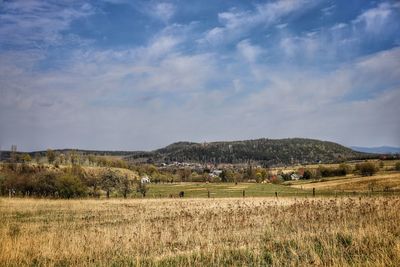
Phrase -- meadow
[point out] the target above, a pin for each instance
(382, 182)
(342, 231)
(222, 190)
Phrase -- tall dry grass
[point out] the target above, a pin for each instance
(201, 232)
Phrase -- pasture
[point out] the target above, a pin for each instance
(340, 231)
(219, 190)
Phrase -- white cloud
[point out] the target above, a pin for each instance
(327, 11)
(163, 11)
(250, 52)
(236, 23)
(375, 19)
(38, 24)
(339, 26)
(174, 95)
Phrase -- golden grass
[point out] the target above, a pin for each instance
(200, 232)
(379, 182)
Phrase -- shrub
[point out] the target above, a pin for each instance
(381, 164)
(2, 183)
(109, 180)
(307, 175)
(43, 184)
(342, 170)
(284, 176)
(69, 185)
(142, 188)
(277, 179)
(366, 168)
(397, 166)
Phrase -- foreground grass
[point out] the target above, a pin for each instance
(201, 232)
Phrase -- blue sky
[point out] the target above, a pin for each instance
(130, 75)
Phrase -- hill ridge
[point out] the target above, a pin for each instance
(263, 150)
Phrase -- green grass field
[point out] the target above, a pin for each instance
(195, 190)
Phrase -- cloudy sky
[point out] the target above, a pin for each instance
(140, 74)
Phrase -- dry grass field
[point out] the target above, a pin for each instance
(382, 181)
(201, 232)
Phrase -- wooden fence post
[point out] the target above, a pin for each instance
(313, 192)
(244, 193)
(208, 193)
(276, 194)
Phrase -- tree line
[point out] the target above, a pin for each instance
(70, 182)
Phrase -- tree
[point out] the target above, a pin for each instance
(184, 174)
(26, 158)
(125, 185)
(258, 177)
(397, 166)
(51, 156)
(381, 164)
(345, 168)
(37, 158)
(69, 185)
(366, 168)
(109, 181)
(264, 173)
(92, 181)
(307, 175)
(142, 188)
(73, 157)
(13, 155)
(250, 173)
(43, 184)
(226, 175)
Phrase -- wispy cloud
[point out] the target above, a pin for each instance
(38, 24)
(236, 23)
(163, 11)
(375, 19)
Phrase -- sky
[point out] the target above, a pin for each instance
(141, 74)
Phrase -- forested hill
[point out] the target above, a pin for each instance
(265, 151)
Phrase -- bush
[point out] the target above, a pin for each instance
(43, 184)
(397, 166)
(69, 186)
(342, 170)
(2, 184)
(366, 169)
(307, 175)
(142, 188)
(284, 176)
(277, 179)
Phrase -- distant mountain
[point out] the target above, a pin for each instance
(378, 150)
(263, 151)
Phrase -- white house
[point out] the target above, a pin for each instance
(295, 176)
(145, 180)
